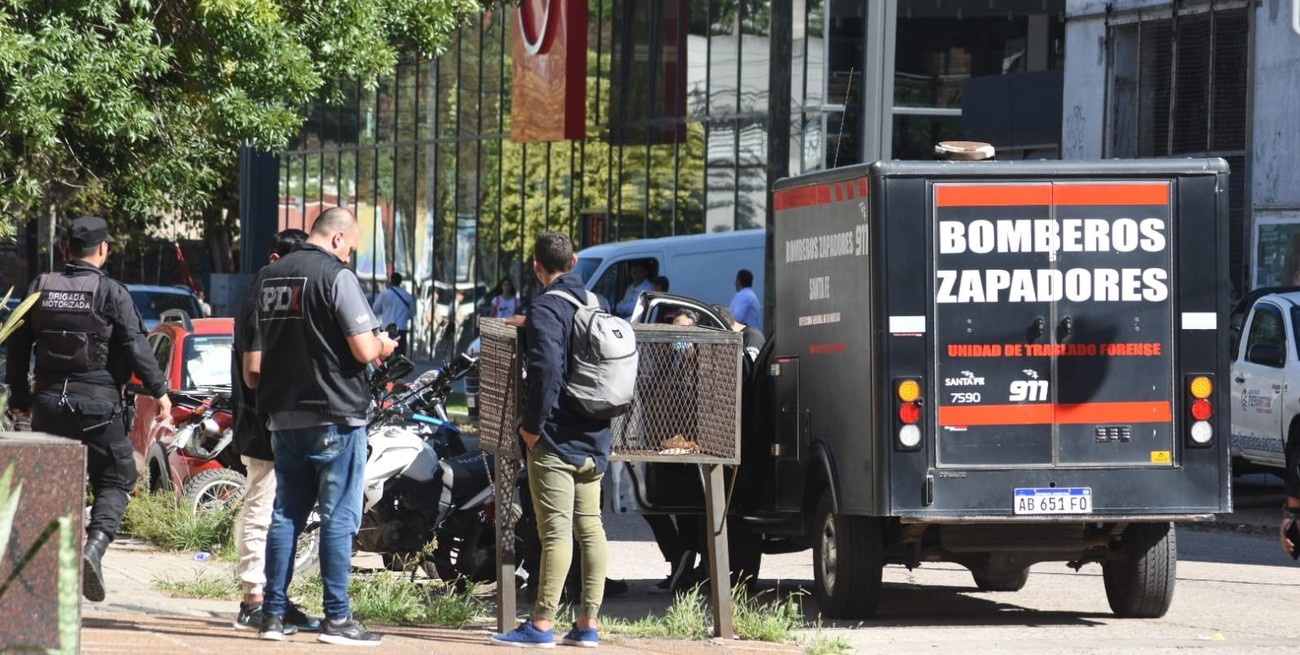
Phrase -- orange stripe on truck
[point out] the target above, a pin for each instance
(993, 195)
(1045, 413)
(801, 197)
(1022, 195)
(1111, 194)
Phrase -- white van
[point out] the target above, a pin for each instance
(701, 266)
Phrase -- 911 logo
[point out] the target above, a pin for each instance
(1031, 390)
(281, 298)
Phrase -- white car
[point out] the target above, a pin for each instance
(1266, 381)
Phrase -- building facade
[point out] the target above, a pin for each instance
(693, 109)
(1198, 78)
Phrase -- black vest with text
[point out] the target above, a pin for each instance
(71, 337)
(306, 362)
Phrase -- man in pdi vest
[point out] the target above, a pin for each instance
(89, 340)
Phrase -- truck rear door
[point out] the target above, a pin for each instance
(1053, 321)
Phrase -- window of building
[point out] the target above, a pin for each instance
(1178, 87)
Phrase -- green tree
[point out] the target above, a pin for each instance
(135, 108)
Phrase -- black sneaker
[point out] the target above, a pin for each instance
(299, 620)
(347, 632)
(272, 628)
(250, 618)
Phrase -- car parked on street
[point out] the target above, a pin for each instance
(1265, 380)
(152, 300)
(195, 355)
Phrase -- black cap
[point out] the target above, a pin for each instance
(88, 232)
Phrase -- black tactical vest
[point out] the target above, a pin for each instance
(306, 362)
(71, 337)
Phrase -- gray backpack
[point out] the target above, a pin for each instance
(602, 360)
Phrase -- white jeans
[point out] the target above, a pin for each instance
(254, 520)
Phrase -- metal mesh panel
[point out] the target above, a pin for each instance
(500, 388)
(687, 403)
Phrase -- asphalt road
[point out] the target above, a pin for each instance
(1236, 593)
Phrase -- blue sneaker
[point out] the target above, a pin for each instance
(526, 636)
(584, 637)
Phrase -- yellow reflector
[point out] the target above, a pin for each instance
(909, 390)
(1202, 387)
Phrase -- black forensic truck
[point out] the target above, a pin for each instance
(994, 364)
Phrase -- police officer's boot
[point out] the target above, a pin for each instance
(92, 572)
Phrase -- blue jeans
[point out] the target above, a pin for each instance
(322, 466)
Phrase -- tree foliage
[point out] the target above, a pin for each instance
(135, 108)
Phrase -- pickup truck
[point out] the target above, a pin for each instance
(1266, 381)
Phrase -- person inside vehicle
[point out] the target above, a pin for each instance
(661, 285)
(639, 285)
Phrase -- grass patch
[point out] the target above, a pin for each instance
(689, 617)
(822, 644)
(394, 598)
(456, 403)
(202, 586)
(774, 621)
(227, 587)
(160, 519)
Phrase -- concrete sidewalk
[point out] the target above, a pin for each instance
(138, 618)
(141, 634)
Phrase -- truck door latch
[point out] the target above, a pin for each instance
(1064, 329)
(1037, 329)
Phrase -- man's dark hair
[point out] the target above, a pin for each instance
(661, 283)
(395, 280)
(725, 312)
(333, 220)
(84, 253)
(287, 241)
(745, 278)
(554, 251)
(690, 315)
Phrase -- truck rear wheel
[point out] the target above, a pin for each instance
(1140, 583)
(848, 558)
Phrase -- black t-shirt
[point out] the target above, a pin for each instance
(252, 438)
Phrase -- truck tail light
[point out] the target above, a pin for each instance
(1199, 388)
(907, 429)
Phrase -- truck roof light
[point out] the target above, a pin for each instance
(1202, 387)
(909, 390)
(1201, 409)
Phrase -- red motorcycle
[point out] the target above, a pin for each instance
(199, 456)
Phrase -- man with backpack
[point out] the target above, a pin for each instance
(578, 358)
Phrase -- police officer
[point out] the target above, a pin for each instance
(89, 339)
(317, 336)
